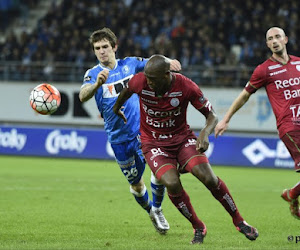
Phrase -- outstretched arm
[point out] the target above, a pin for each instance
(123, 97)
(235, 106)
(202, 140)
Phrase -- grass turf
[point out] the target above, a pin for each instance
(49, 203)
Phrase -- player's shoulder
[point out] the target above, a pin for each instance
(94, 69)
(294, 58)
(131, 59)
(182, 79)
(91, 73)
(137, 82)
(139, 77)
(267, 65)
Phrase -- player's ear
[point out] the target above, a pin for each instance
(115, 48)
(286, 39)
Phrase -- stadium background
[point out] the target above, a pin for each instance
(218, 45)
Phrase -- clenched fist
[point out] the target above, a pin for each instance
(102, 77)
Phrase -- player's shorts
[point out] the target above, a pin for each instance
(181, 156)
(130, 159)
(292, 142)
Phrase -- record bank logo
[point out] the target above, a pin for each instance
(258, 151)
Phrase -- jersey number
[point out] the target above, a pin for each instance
(130, 174)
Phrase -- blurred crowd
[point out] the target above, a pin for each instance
(12, 9)
(196, 32)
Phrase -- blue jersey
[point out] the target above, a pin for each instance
(108, 93)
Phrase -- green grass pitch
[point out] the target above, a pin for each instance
(49, 203)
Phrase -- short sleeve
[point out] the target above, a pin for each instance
(257, 80)
(197, 98)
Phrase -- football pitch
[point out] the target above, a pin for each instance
(49, 203)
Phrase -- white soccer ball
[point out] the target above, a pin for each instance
(45, 99)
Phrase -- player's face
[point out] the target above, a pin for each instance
(158, 82)
(276, 41)
(104, 52)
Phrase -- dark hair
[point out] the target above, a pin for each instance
(104, 33)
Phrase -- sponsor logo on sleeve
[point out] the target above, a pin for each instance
(202, 99)
(87, 78)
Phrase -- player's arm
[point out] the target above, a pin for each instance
(235, 106)
(88, 90)
(202, 140)
(122, 98)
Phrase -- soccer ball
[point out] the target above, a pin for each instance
(45, 99)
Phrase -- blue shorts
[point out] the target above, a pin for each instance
(130, 159)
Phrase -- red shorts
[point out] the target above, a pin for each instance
(292, 142)
(182, 156)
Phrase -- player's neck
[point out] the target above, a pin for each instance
(282, 59)
(109, 65)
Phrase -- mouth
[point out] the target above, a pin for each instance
(103, 58)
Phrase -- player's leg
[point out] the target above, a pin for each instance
(198, 165)
(164, 169)
(293, 202)
(140, 193)
(133, 173)
(292, 142)
(181, 200)
(156, 214)
(158, 191)
(221, 193)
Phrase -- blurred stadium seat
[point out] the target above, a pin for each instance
(217, 43)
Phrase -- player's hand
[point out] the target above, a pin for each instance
(221, 128)
(102, 77)
(175, 65)
(122, 115)
(202, 142)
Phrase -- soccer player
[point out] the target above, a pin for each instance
(105, 81)
(170, 147)
(280, 76)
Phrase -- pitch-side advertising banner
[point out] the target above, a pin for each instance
(92, 144)
(255, 116)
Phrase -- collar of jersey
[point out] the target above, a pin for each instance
(103, 67)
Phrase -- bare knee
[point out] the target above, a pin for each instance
(172, 182)
(205, 174)
(139, 187)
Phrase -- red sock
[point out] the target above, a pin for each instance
(222, 194)
(295, 191)
(183, 204)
